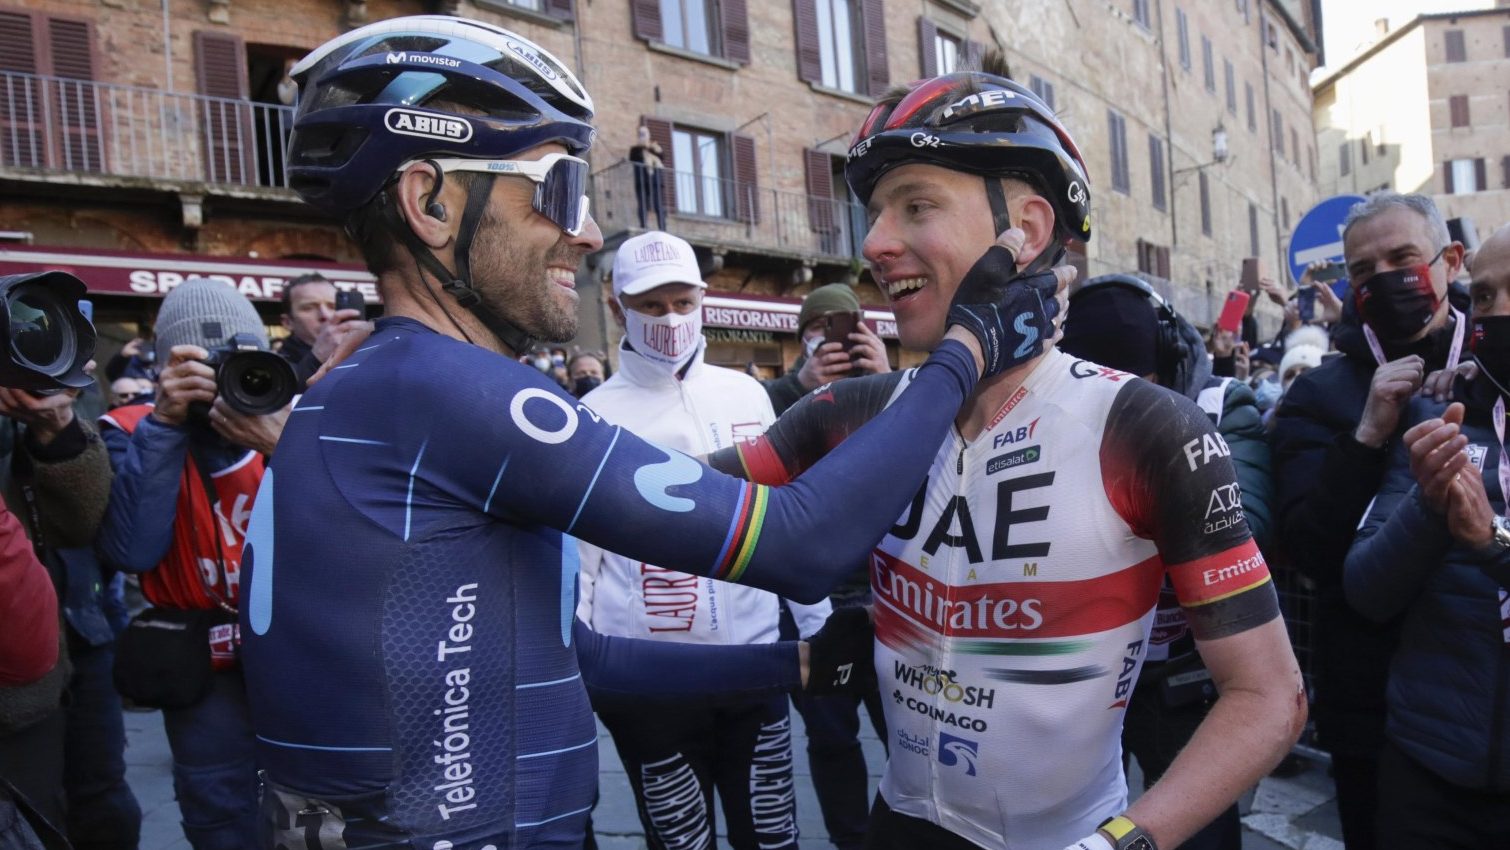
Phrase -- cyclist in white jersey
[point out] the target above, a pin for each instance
(1014, 597)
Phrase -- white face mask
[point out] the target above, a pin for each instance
(668, 341)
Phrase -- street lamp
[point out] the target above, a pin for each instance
(1219, 152)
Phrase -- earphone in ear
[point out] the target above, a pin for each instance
(434, 208)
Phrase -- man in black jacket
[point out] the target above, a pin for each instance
(315, 326)
(1331, 443)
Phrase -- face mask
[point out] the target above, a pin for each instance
(1267, 393)
(1490, 344)
(585, 385)
(1398, 303)
(668, 341)
(541, 363)
(812, 345)
(558, 360)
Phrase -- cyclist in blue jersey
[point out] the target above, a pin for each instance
(415, 672)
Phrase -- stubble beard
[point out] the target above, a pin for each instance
(519, 291)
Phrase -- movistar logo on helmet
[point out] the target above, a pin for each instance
(422, 59)
(983, 101)
(532, 58)
(427, 125)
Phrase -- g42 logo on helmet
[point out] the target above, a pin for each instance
(1076, 193)
(533, 58)
(924, 140)
(426, 125)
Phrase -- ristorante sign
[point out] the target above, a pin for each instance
(153, 275)
(776, 315)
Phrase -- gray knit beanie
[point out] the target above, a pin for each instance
(206, 313)
(832, 298)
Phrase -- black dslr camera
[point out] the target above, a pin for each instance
(251, 379)
(46, 337)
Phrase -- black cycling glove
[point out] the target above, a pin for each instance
(841, 655)
(1010, 314)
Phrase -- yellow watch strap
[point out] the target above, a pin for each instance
(1118, 828)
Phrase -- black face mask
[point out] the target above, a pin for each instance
(585, 385)
(1398, 303)
(1490, 344)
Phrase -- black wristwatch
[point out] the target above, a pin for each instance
(1127, 835)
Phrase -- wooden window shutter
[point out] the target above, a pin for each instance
(927, 47)
(736, 23)
(809, 55)
(873, 18)
(70, 46)
(1447, 177)
(225, 122)
(820, 190)
(1480, 175)
(22, 140)
(1505, 173)
(1458, 106)
(561, 10)
(647, 19)
(660, 132)
(746, 182)
(1163, 264)
(974, 53)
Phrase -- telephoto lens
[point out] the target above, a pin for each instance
(47, 339)
(251, 379)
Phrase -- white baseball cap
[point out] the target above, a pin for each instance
(654, 259)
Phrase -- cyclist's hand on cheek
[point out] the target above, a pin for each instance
(1010, 314)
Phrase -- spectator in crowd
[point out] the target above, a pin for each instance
(1121, 322)
(54, 464)
(124, 391)
(649, 172)
(136, 359)
(182, 497)
(32, 673)
(823, 362)
(1331, 442)
(666, 393)
(1434, 555)
(587, 370)
(832, 722)
(1304, 348)
(315, 326)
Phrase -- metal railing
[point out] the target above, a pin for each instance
(52, 124)
(730, 212)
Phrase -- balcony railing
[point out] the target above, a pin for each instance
(729, 212)
(52, 124)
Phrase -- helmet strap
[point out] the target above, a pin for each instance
(996, 193)
(458, 285)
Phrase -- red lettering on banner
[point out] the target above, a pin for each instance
(914, 599)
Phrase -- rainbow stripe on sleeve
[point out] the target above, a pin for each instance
(744, 533)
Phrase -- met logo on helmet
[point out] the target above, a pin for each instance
(532, 58)
(426, 125)
(979, 102)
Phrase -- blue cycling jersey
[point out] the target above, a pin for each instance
(415, 670)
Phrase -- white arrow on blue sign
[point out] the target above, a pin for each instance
(1318, 234)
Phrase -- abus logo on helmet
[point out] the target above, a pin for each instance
(422, 59)
(1076, 193)
(425, 125)
(531, 57)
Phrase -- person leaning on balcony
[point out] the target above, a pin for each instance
(649, 171)
(824, 362)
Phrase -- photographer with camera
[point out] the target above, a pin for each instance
(318, 317)
(62, 739)
(187, 471)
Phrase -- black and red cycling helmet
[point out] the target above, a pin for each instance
(982, 124)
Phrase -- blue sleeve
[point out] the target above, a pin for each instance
(615, 666)
(1399, 545)
(148, 464)
(515, 446)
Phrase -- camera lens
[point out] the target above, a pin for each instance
(256, 382)
(37, 336)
